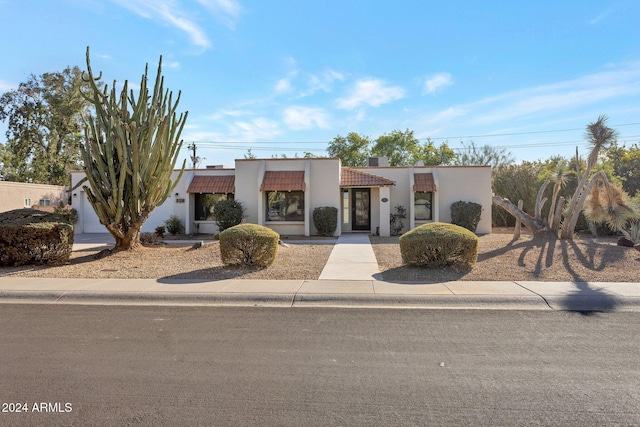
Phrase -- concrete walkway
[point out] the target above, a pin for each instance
(352, 258)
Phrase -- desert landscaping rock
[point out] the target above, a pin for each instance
(500, 258)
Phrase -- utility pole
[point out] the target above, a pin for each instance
(194, 158)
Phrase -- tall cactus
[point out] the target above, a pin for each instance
(130, 151)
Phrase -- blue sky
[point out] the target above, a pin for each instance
(287, 76)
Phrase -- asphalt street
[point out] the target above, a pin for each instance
(226, 366)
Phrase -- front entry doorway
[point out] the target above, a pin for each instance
(361, 209)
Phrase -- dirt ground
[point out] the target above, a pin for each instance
(499, 258)
(584, 259)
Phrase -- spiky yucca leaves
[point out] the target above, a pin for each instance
(129, 153)
(599, 136)
(608, 203)
(633, 232)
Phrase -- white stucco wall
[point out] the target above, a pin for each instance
(453, 183)
(322, 188)
(88, 221)
(469, 184)
(322, 179)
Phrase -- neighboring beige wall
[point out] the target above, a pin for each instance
(453, 183)
(13, 195)
(468, 184)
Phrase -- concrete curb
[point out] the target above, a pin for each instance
(287, 300)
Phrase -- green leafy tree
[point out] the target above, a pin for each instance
(400, 148)
(486, 155)
(44, 127)
(626, 165)
(515, 182)
(352, 150)
(130, 151)
(435, 156)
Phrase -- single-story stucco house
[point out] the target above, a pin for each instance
(19, 195)
(282, 194)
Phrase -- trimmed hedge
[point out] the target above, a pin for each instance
(30, 236)
(249, 245)
(325, 220)
(439, 244)
(228, 213)
(466, 214)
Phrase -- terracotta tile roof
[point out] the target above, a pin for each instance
(283, 181)
(212, 184)
(355, 178)
(423, 182)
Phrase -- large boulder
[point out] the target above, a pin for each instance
(30, 236)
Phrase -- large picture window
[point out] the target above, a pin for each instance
(422, 205)
(205, 203)
(285, 205)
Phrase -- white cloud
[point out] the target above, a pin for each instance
(226, 11)
(617, 82)
(173, 13)
(437, 81)
(600, 17)
(283, 85)
(373, 92)
(322, 82)
(299, 118)
(255, 130)
(168, 12)
(220, 114)
(568, 98)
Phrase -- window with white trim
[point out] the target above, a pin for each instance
(285, 205)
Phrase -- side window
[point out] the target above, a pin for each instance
(205, 203)
(422, 205)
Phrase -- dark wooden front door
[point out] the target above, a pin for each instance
(361, 209)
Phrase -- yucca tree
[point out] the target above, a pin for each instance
(560, 177)
(607, 203)
(129, 153)
(599, 136)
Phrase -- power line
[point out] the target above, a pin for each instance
(432, 138)
(522, 133)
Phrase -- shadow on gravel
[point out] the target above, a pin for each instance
(547, 251)
(421, 274)
(208, 274)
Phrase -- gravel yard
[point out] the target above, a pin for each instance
(499, 258)
(583, 259)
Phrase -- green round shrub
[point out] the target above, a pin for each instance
(30, 236)
(228, 213)
(249, 245)
(325, 220)
(466, 214)
(439, 244)
(174, 225)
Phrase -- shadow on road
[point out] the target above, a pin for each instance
(587, 300)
